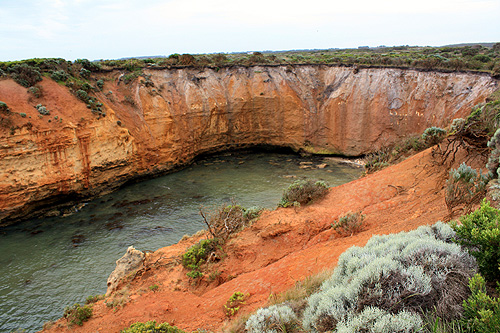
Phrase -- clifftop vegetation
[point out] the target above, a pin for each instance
(450, 58)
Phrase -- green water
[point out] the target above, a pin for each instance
(48, 264)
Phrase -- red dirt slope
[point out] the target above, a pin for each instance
(284, 246)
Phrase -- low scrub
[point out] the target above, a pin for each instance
(394, 153)
(197, 254)
(386, 286)
(42, 110)
(494, 158)
(3, 107)
(77, 314)
(234, 303)
(151, 327)
(93, 299)
(25, 74)
(59, 75)
(302, 192)
(349, 224)
(464, 187)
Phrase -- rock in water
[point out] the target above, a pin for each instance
(130, 262)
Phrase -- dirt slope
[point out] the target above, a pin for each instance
(284, 246)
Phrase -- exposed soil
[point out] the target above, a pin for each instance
(284, 246)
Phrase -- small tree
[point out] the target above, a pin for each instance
(480, 234)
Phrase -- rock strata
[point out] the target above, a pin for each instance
(181, 113)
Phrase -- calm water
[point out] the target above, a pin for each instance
(48, 264)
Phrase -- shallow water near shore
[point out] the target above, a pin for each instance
(50, 263)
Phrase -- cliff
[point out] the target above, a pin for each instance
(166, 117)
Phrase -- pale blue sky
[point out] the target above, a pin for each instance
(92, 29)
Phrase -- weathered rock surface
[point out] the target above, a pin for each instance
(155, 127)
(131, 261)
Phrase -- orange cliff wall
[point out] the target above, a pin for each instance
(152, 128)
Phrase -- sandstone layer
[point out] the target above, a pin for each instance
(165, 118)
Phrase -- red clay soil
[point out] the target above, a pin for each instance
(283, 247)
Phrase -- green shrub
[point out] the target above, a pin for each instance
(22, 114)
(197, 255)
(465, 186)
(252, 212)
(59, 75)
(100, 84)
(479, 232)
(151, 327)
(77, 314)
(433, 135)
(378, 160)
(42, 110)
(92, 103)
(89, 65)
(234, 302)
(127, 78)
(85, 73)
(93, 299)
(349, 224)
(82, 95)
(154, 287)
(402, 275)
(482, 123)
(36, 91)
(3, 107)
(86, 87)
(481, 312)
(493, 164)
(303, 192)
(25, 74)
(386, 156)
(457, 124)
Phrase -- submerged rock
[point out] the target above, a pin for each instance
(130, 262)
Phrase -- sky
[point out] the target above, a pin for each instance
(100, 29)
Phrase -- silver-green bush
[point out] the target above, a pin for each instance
(465, 186)
(375, 320)
(410, 272)
(274, 319)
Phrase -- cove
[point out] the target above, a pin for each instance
(50, 263)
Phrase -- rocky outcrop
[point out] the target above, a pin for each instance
(165, 118)
(129, 263)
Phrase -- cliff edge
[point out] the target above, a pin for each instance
(165, 118)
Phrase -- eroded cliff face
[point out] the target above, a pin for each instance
(166, 118)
